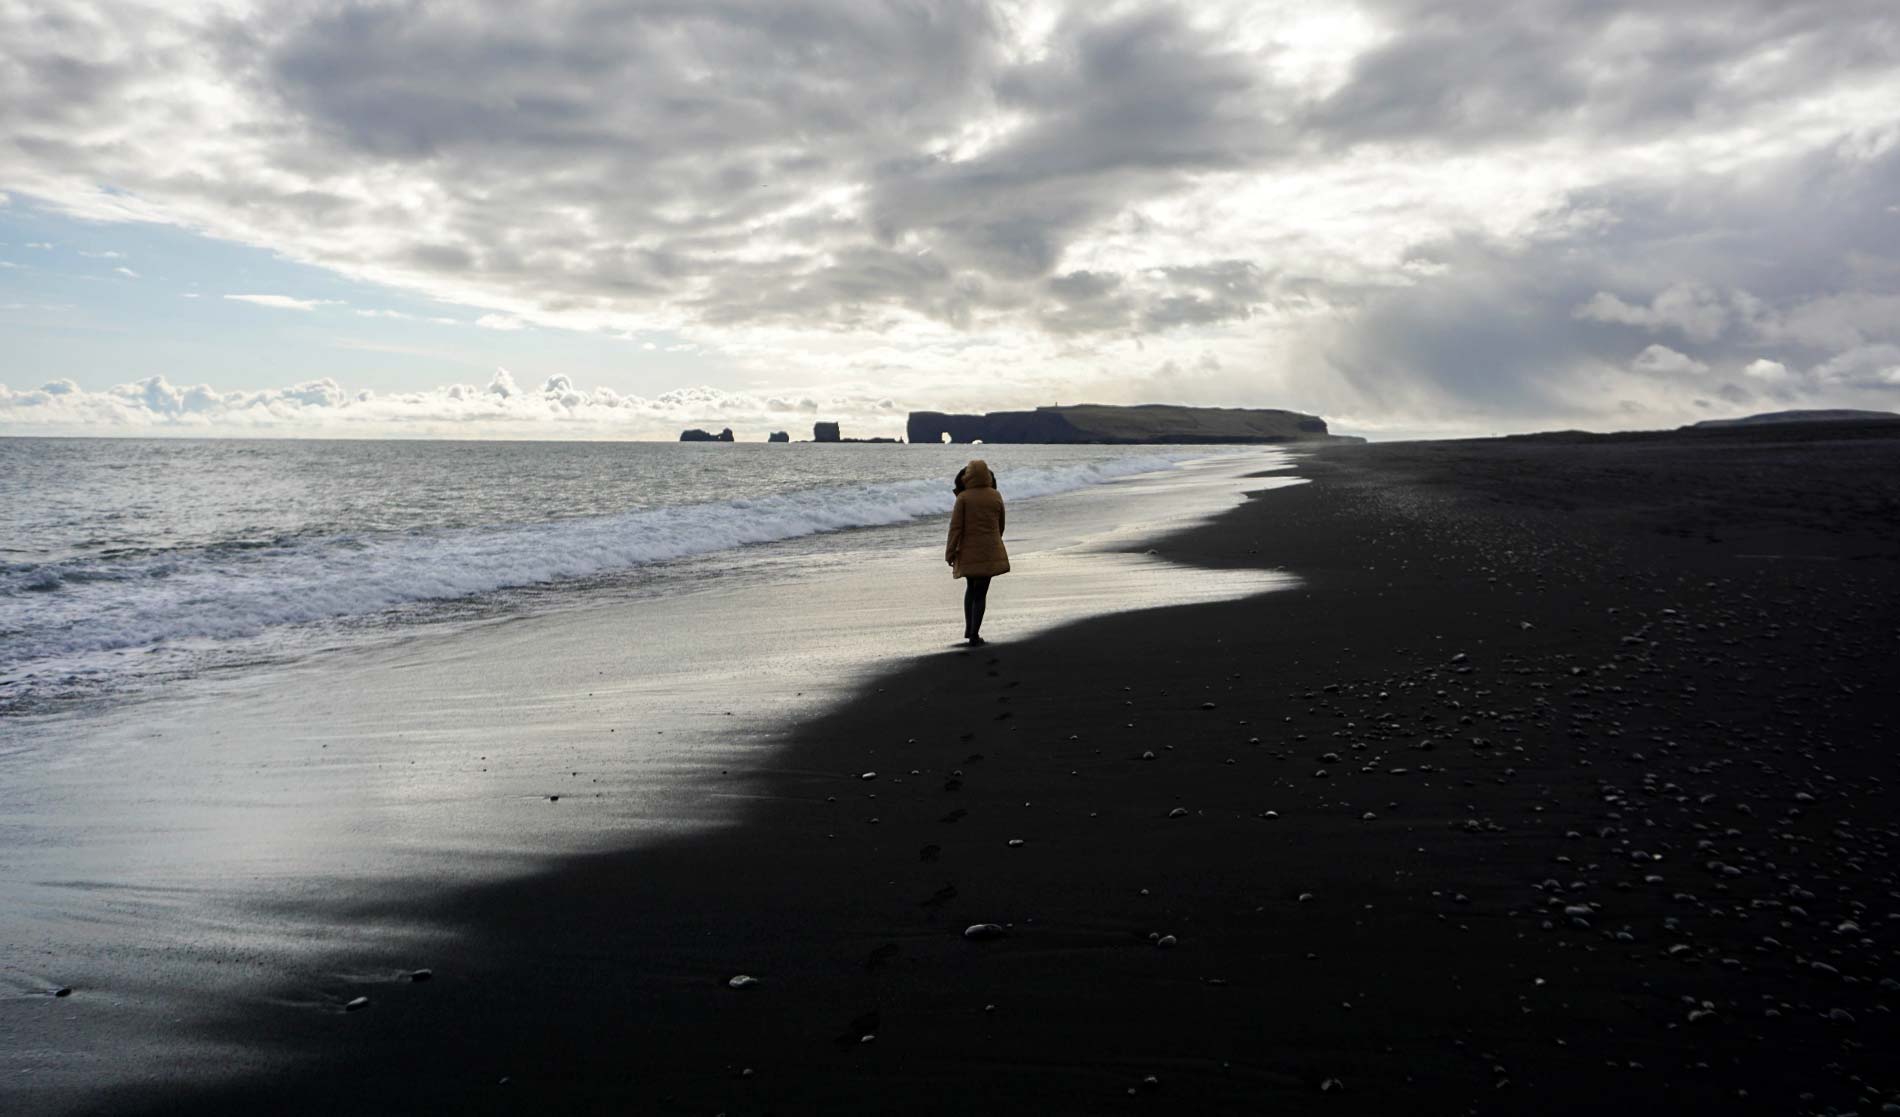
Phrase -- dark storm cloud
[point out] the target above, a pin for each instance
(672, 126)
(1472, 71)
(1085, 302)
(1117, 111)
(682, 122)
(1712, 276)
(652, 80)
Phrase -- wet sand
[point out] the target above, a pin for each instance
(1562, 781)
(225, 846)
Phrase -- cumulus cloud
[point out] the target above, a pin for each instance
(502, 407)
(1763, 369)
(1695, 312)
(1865, 366)
(1451, 208)
(403, 316)
(1660, 360)
(281, 302)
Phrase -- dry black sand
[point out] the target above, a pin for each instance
(1563, 783)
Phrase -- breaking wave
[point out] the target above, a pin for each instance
(72, 608)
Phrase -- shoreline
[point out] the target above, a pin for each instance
(93, 627)
(1379, 944)
(208, 850)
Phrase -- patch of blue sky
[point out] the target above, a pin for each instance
(109, 303)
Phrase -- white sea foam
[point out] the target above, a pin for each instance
(56, 611)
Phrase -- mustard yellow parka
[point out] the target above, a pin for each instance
(976, 526)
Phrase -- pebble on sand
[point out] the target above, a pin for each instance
(868, 776)
(742, 981)
(979, 931)
(1178, 812)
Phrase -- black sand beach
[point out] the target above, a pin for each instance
(1563, 783)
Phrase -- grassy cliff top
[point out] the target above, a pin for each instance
(1159, 422)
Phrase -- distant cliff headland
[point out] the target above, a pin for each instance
(1144, 423)
(1811, 415)
(1089, 423)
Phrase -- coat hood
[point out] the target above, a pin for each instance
(977, 475)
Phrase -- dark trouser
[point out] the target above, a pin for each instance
(976, 593)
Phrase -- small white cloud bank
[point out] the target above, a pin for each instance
(280, 302)
(1660, 360)
(501, 408)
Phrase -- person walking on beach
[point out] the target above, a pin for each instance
(975, 551)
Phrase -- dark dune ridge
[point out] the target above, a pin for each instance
(1563, 783)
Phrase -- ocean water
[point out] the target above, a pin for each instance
(125, 563)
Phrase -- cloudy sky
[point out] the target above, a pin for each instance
(615, 219)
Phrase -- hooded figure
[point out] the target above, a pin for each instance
(975, 549)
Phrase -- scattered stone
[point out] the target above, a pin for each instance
(980, 931)
(1178, 812)
(358, 1003)
(421, 975)
(868, 776)
(742, 981)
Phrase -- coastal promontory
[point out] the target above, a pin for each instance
(1145, 423)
